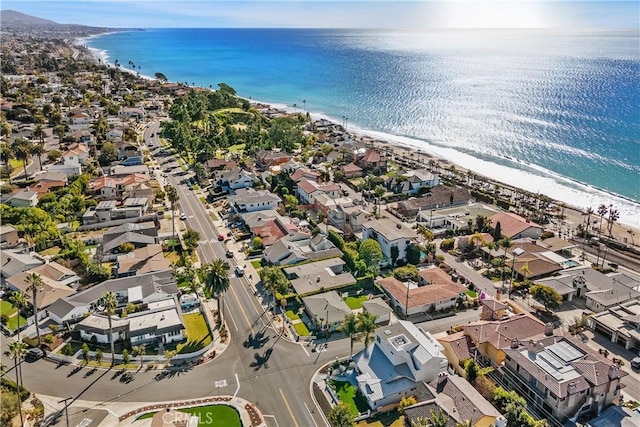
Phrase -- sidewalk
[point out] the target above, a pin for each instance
(125, 413)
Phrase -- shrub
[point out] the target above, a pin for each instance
(12, 386)
(4, 318)
(67, 350)
(547, 235)
(447, 244)
(409, 272)
(48, 339)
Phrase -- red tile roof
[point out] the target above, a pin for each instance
(422, 295)
(500, 333)
(512, 224)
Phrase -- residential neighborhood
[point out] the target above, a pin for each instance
(194, 244)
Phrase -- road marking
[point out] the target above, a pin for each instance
(286, 402)
(305, 350)
(232, 319)
(237, 389)
(314, 421)
(274, 419)
(241, 309)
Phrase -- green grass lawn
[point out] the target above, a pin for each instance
(15, 163)
(210, 416)
(203, 200)
(238, 148)
(7, 308)
(291, 315)
(198, 335)
(301, 329)
(257, 264)
(348, 394)
(472, 294)
(386, 419)
(12, 324)
(55, 250)
(355, 302)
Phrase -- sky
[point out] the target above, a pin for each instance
(418, 14)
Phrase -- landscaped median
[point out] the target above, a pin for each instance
(208, 416)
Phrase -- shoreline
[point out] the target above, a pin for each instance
(630, 209)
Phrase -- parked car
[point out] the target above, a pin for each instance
(183, 216)
(34, 354)
(220, 238)
(229, 254)
(635, 362)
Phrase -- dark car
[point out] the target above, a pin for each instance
(220, 238)
(229, 254)
(34, 354)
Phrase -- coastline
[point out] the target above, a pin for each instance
(544, 179)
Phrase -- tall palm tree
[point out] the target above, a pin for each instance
(216, 280)
(172, 196)
(6, 154)
(505, 243)
(22, 150)
(17, 351)
(35, 282)
(612, 218)
(110, 303)
(19, 300)
(349, 327)
(38, 132)
(589, 212)
(366, 327)
(38, 150)
(602, 211)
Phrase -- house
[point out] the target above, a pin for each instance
(412, 182)
(455, 218)
(371, 159)
(319, 276)
(250, 200)
(401, 357)
(457, 348)
(220, 164)
(139, 289)
(48, 181)
(269, 158)
(408, 298)
(299, 247)
(131, 113)
(559, 375)
(269, 225)
(620, 324)
(8, 236)
(144, 260)
(308, 190)
(516, 227)
(71, 169)
(616, 416)
(459, 400)
(348, 216)
(327, 310)
(438, 197)
(80, 118)
(161, 323)
(118, 188)
(378, 308)
(120, 170)
(23, 199)
(14, 261)
(600, 291)
(49, 292)
(389, 234)
(125, 149)
(304, 173)
(138, 236)
(351, 170)
(114, 135)
(76, 154)
(236, 178)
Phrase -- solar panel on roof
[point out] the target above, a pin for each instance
(549, 369)
(565, 351)
(557, 364)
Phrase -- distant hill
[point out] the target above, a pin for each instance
(19, 23)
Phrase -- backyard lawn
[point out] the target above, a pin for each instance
(386, 419)
(355, 302)
(7, 308)
(472, 294)
(210, 416)
(12, 324)
(348, 394)
(291, 315)
(257, 264)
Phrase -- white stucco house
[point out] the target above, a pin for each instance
(396, 363)
(389, 234)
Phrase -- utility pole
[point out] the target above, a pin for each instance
(66, 408)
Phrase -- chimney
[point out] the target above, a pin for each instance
(548, 329)
(501, 421)
(613, 371)
(498, 294)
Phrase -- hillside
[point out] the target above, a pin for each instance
(17, 23)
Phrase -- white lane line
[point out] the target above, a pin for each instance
(314, 421)
(237, 389)
(274, 419)
(305, 350)
(228, 313)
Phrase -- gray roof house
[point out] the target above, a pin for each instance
(250, 200)
(299, 247)
(328, 308)
(14, 261)
(401, 357)
(318, 276)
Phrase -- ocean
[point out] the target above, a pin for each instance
(555, 112)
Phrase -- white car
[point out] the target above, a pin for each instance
(183, 216)
(239, 271)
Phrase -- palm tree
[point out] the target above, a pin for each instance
(38, 150)
(35, 282)
(110, 303)
(172, 196)
(273, 281)
(366, 327)
(349, 327)
(216, 280)
(139, 351)
(6, 154)
(22, 150)
(19, 300)
(438, 418)
(17, 351)
(613, 217)
(602, 211)
(589, 212)
(505, 243)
